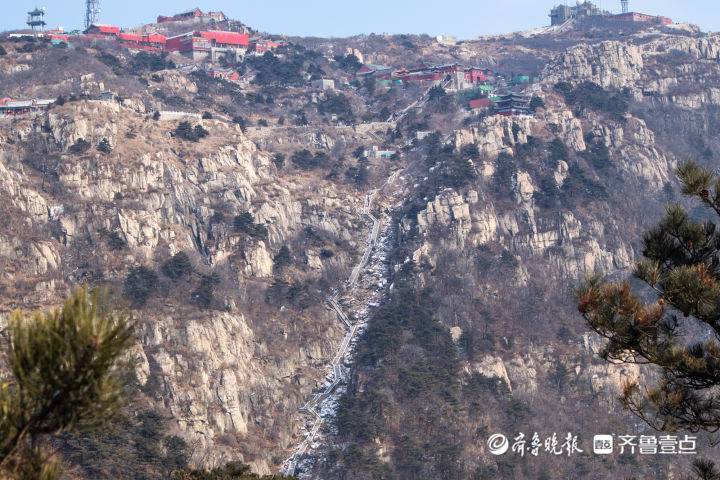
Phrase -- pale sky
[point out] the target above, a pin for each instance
(462, 18)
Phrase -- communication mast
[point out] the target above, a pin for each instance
(625, 7)
(36, 19)
(92, 12)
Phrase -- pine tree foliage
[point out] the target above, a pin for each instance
(140, 284)
(705, 470)
(245, 223)
(67, 375)
(283, 258)
(231, 471)
(187, 132)
(178, 266)
(680, 331)
(104, 146)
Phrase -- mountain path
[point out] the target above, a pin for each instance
(358, 297)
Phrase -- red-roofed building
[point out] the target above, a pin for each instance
(209, 44)
(226, 39)
(5, 100)
(103, 30)
(153, 42)
(479, 103)
(155, 38)
(475, 75)
(261, 46)
(130, 37)
(187, 43)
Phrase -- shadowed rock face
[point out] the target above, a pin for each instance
(231, 351)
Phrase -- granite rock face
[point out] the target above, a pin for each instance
(609, 64)
(226, 376)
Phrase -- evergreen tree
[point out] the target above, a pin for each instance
(104, 146)
(80, 146)
(178, 266)
(349, 62)
(558, 150)
(240, 120)
(301, 119)
(337, 105)
(279, 160)
(360, 174)
(436, 92)
(359, 152)
(140, 283)
(184, 130)
(67, 375)
(470, 152)
(459, 172)
(535, 103)
(682, 266)
(305, 160)
(705, 470)
(283, 258)
(502, 178)
(231, 471)
(245, 223)
(369, 84)
(187, 132)
(199, 132)
(205, 292)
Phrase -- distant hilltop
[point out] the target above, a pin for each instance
(194, 34)
(563, 13)
(194, 14)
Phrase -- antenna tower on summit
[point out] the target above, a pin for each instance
(625, 7)
(92, 12)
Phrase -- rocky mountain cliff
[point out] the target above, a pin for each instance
(222, 372)
(486, 227)
(557, 196)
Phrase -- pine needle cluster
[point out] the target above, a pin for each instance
(67, 374)
(679, 331)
